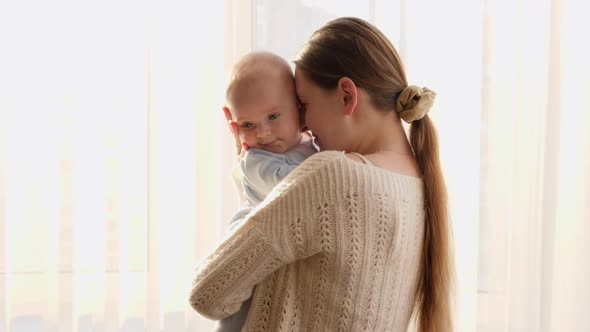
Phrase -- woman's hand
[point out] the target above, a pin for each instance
(241, 147)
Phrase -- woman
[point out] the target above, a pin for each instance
(357, 237)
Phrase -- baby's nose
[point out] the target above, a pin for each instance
(263, 130)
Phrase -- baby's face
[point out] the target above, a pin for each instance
(268, 118)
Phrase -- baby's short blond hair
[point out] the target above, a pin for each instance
(253, 69)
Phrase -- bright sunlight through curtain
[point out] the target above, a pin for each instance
(115, 159)
(110, 162)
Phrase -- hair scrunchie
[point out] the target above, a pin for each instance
(414, 102)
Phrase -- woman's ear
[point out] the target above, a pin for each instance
(349, 94)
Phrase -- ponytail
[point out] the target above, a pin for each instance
(433, 305)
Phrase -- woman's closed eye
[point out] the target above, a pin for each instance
(301, 105)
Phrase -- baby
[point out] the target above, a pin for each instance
(261, 103)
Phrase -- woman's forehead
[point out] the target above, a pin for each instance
(302, 84)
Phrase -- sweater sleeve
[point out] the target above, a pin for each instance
(279, 231)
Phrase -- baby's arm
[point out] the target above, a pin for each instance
(258, 173)
(263, 170)
(237, 177)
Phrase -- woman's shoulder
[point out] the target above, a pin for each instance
(312, 167)
(319, 163)
(322, 158)
(336, 169)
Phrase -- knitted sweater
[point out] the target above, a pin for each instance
(334, 247)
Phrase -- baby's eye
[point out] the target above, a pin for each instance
(273, 116)
(247, 125)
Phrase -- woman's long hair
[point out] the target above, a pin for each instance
(353, 48)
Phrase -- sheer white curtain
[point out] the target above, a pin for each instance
(110, 161)
(534, 198)
(512, 79)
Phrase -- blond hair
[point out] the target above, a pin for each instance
(255, 68)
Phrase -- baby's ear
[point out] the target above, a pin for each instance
(227, 113)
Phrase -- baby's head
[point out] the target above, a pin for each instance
(262, 101)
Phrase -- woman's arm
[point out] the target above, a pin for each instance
(226, 278)
(279, 231)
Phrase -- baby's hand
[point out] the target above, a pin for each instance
(241, 147)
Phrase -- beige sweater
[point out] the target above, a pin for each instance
(334, 247)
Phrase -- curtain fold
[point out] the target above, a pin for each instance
(110, 169)
(533, 180)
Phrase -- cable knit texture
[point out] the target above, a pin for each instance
(334, 247)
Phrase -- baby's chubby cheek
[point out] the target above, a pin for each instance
(244, 138)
